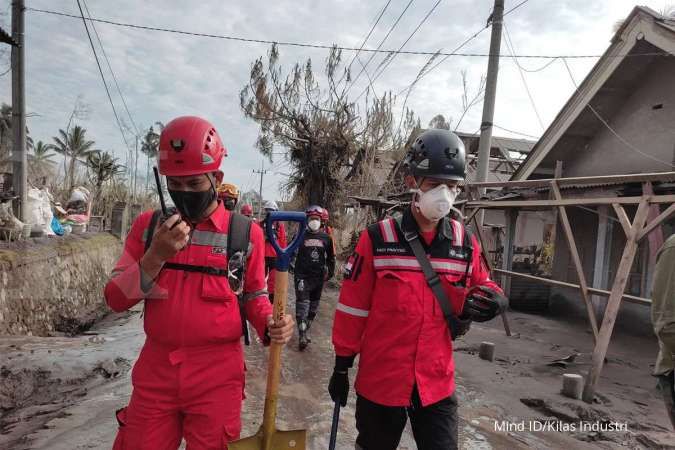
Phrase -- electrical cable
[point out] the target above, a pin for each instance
(105, 55)
(509, 46)
(391, 29)
(617, 135)
(100, 70)
(349, 66)
(515, 132)
(328, 47)
(390, 60)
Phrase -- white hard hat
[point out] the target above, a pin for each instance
(267, 204)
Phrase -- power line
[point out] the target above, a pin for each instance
(457, 49)
(516, 7)
(515, 132)
(512, 50)
(119, 91)
(422, 22)
(391, 29)
(365, 39)
(447, 55)
(604, 122)
(329, 47)
(100, 70)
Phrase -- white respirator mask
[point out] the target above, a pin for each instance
(436, 203)
(314, 224)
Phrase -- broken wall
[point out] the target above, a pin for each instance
(55, 284)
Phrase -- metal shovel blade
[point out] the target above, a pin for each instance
(279, 440)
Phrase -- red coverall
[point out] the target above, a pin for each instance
(271, 254)
(189, 378)
(388, 314)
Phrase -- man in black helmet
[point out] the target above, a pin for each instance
(413, 284)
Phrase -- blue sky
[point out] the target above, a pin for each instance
(166, 75)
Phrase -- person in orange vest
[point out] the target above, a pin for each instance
(246, 210)
(228, 193)
(188, 381)
(414, 283)
(279, 231)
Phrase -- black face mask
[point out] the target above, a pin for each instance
(192, 205)
(230, 204)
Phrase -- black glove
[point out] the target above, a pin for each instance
(459, 326)
(338, 387)
(483, 304)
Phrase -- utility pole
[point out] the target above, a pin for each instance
(485, 142)
(20, 177)
(135, 171)
(261, 172)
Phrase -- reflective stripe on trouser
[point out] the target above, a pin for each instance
(307, 297)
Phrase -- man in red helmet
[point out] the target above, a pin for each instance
(247, 210)
(188, 381)
(327, 228)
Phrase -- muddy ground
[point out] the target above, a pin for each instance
(61, 392)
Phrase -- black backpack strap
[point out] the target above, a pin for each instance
(457, 327)
(151, 228)
(238, 240)
(467, 247)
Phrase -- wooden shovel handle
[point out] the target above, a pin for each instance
(274, 366)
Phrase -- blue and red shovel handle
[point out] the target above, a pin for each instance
(284, 255)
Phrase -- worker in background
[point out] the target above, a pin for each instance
(393, 318)
(314, 264)
(663, 319)
(246, 210)
(325, 217)
(229, 194)
(279, 231)
(188, 381)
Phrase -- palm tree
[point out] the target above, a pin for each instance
(40, 162)
(102, 167)
(76, 146)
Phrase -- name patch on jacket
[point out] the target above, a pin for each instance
(314, 243)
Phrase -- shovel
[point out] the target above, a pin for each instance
(268, 437)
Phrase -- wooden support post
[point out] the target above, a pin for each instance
(486, 258)
(509, 240)
(629, 298)
(657, 221)
(614, 302)
(623, 218)
(574, 253)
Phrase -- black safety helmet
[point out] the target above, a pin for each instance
(437, 153)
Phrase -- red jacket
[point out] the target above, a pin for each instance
(388, 315)
(271, 254)
(190, 309)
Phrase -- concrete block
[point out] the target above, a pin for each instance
(573, 385)
(487, 351)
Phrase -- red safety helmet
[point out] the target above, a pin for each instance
(324, 216)
(247, 210)
(315, 210)
(189, 145)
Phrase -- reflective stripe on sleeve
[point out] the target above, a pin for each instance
(388, 231)
(352, 311)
